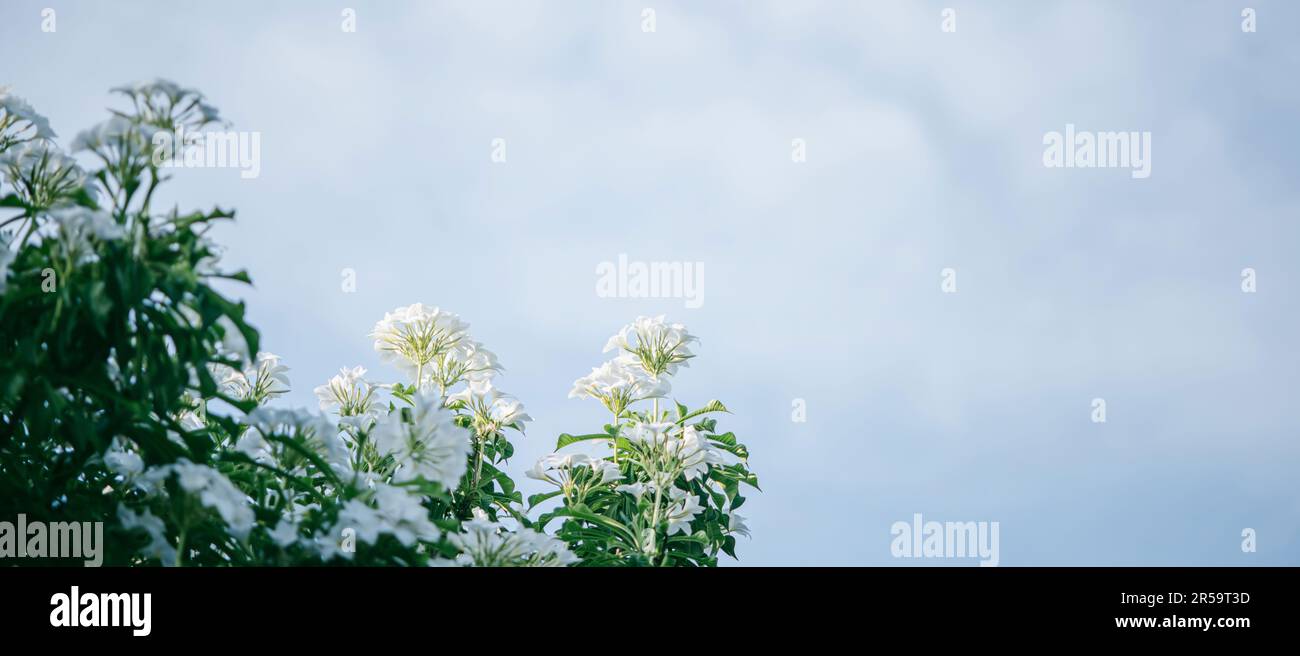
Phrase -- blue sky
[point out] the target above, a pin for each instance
(924, 152)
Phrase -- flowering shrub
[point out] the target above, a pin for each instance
(669, 492)
(107, 318)
(133, 393)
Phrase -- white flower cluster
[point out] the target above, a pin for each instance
(123, 462)
(396, 512)
(312, 430)
(429, 446)
(115, 139)
(564, 469)
(347, 394)
(489, 544)
(666, 451)
(649, 350)
(416, 338)
(576, 474)
(77, 225)
(168, 105)
(682, 505)
(364, 467)
(619, 383)
(41, 174)
(659, 346)
(264, 379)
(434, 348)
(210, 487)
(678, 450)
(154, 527)
(657, 454)
(682, 509)
(19, 122)
(491, 409)
(381, 454)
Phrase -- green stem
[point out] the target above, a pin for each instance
(180, 547)
(614, 443)
(654, 522)
(478, 475)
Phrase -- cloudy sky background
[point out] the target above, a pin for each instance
(821, 279)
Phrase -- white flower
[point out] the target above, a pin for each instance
(347, 393)
(356, 517)
(164, 103)
(254, 445)
(15, 110)
(403, 515)
(605, 471)
(126, 464)
(652, 433)
(430, 446)
(116, 134)
(190, 420)
(315, 431)
(397, 513)
(264, 379)
(464, 360)
(213, 490)
(574, 472)
(555, 462)
(158, 546)
(285, 533)
(693, 453)
(412, 337)
(677, 450)
(488, 544)
(736, 524)
(660, 347)
(78, 224)
(618, 384)
(683, 509)
(359, 423)
(41, 173)
(492, 410)
(637, 489)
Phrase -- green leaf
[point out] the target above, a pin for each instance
(567, 439)
(726, 438)
(729, 546)
(711, 406)
(618, 528)
(738, 449)
(535, 499)
(697, 538)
